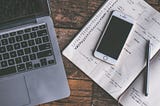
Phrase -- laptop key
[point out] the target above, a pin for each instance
(43, 62)
(44, 46)
(17, 46)
(20, 32)
(2, 49)
(32, 56)
(51, 62)
(44, 54)
(27, 30)
(0, 57)
(33, 35)
(37, 65)
(6, 56)
(35, 28)
(21, 67)
(38, 40)
(45, 39)
(12, 40)
(18, 60)
(24, 44)
(31, 42)
(13, 54)
(8, 70)
(34, 49)
(4, 64)
(4, 41)
(27, 50)
(25, 58)
(42, 32)
(5, 35)
(11, 62)
(42, 26)
(18, 38)
(26, 36)
(9, 48)
(20, 52)
(12, 34)
(29, 65)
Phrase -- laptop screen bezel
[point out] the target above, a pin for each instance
(47, 12)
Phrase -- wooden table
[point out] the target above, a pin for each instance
(69, 17)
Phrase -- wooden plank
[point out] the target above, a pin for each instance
(69, 13)
(157, 7)
(97, 102)
(102, 98)
(94, 5)
(73, 13)
(153, 2)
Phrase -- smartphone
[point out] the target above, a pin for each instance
(113, 37)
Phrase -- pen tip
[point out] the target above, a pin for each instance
(146, 94)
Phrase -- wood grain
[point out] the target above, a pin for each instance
(73, 14)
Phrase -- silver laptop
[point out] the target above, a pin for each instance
(31, 67)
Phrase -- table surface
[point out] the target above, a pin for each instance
(69, 17)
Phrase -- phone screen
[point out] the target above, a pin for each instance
(114, 37)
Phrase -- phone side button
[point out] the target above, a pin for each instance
(105, 58)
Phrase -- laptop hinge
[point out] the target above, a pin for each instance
(17, 22)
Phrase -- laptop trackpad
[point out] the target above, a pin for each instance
(14, 92)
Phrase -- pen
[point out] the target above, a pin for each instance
(147, 68)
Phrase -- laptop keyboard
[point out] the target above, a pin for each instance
(25, 50)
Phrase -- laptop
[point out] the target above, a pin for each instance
(31, 67)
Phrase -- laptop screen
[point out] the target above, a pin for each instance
(14, 9)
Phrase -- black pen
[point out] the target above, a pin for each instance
(147, 68)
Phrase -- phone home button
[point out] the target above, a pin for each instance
(105, 58)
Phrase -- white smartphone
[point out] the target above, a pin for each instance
(113, 37)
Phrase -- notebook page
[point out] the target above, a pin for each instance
(134, 96)
(115, 79)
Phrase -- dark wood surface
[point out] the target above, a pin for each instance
(69, 17)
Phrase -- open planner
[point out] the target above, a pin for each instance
(125, 80)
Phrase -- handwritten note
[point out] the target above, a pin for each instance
(115, 79)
